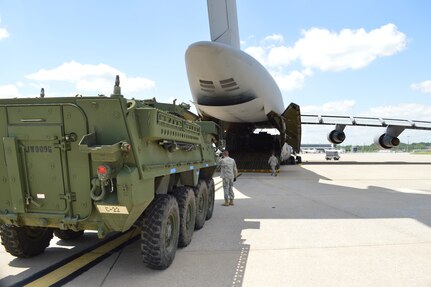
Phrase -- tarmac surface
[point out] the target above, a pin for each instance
(364, 220)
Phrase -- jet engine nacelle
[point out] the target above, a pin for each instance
(336, 136)
(386, 141)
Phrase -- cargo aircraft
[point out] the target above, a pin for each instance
(231, 87)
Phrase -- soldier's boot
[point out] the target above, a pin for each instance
(231, 202)
(226, 203)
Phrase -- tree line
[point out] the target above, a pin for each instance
(402, 147)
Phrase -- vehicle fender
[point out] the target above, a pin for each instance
(133, 192)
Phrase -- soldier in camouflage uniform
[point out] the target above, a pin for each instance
(228, 172)
(273, 161)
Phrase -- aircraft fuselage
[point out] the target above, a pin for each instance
(230, 85)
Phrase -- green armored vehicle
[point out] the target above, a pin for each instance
(105, 164)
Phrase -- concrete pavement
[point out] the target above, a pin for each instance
(362, 221)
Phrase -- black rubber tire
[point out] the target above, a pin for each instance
(160, 232)
(187, 207)
(211, 198)
(291, 160)
(24, 241)
(68, 234)
(201, 195)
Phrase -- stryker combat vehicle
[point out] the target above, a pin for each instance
(105, 164)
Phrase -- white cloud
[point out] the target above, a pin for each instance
(258, 53)
(348, 49)
(3, 33)
(38, 86)
(329, 108)
(424, 87)
(289, 82)
(93, 78)
(281, 56)
(9, 91)
(95, 84)
(325, 50)
(402, 111)
(73, 72)
(278, 38)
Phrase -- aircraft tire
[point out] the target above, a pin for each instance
(160, 232)
(24, 241)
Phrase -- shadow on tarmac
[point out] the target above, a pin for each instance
(57, 251)
(219, 253)
(302, 196)
(329, 162)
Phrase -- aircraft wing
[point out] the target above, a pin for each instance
(394, 127)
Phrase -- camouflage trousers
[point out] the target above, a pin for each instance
(228, 188)
(273, 172)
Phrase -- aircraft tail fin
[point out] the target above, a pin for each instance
(223, 22)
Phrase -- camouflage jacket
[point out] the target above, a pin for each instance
(228, 168)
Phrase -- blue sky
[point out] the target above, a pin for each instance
(362, 58)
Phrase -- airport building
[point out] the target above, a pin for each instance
(316, 148)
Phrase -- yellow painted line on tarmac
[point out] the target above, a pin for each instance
(80, 262)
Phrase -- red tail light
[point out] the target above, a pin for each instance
(104, 172)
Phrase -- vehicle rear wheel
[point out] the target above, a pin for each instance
(68, 234)
(201, 194)
(291, 160)
(187, 207)
(24, 241)
(160, 232)
(298, 159)
(211, 198)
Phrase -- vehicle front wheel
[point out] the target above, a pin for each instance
(160, 232)
(298, 160)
